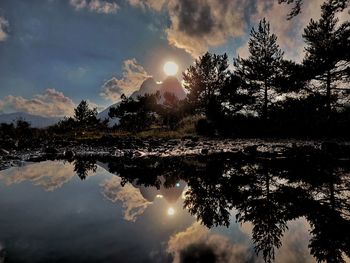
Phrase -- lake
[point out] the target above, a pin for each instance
(221, 207)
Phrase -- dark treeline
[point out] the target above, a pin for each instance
(266, 192)
(264, 94)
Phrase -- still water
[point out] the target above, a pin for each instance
(177, 209)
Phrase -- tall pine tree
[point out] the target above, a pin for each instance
(328, 52)
(205, 80)
(260, 70)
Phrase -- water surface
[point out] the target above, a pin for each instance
(179, 209)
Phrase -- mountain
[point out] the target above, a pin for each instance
(150, 86)
(35, 120)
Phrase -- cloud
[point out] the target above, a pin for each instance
(48, 175)
(134, 203)
(51, 103)
(98, 6)
(4, 25)
(197, 25)
(152, 4)
(133, 76)
(197, 243)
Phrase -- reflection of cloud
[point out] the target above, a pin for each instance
(98, 6)
(133, 202)
(4, 24)
(51, 103)
(133, 76)
(49, 175)
(294, 242)
(197, 243)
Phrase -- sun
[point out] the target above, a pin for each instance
(171, 211)
(170, 68)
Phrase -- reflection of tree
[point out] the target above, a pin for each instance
(263, 205)
(83, 166)
(207, 197)
(329, 215)
(265, 192)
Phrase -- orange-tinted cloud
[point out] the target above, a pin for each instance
(51, 103)
(197, 25)
(133, 202)
(197, 242)
(48, 175)
(4, 24)
(133, 76)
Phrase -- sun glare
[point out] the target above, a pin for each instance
(171, 211)
(170, 68)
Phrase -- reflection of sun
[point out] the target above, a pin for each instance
(171, 211)
(170, 68)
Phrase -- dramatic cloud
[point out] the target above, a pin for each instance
(4, 24)
(51, 103)
(197, 243)
(48, 175)
(98, 6)
(134, 203)
(133, 76)
(197, 25)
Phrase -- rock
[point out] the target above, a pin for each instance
(253, 149)
(4, 152)
(51, 150)
(69, 154)
(330, 147)
(205, 151)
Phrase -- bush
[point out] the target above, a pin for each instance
(204, 127)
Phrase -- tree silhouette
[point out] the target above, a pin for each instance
(82, 166)
(85, 116)
(205, 80)
(328, 55)
(136, 114)
(259, 71)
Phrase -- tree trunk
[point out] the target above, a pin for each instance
(328, 94)
(265, 102)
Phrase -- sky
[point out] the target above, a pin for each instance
(54, 53)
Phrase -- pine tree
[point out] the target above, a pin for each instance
(205, 80)
(261, 69)
(328, 51)
(84, 115)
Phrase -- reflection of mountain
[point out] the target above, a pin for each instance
(171, 194)
(149, 86)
